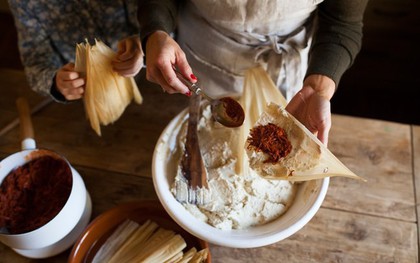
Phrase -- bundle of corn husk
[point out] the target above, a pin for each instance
(133, 242)
(107, 94)
(309, 159)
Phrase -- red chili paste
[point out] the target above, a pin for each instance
(271, 140)
(234, 110)
(33, 194)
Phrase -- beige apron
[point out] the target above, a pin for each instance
(223, 38)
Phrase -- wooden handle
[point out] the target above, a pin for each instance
(26, 128)
(192, 162)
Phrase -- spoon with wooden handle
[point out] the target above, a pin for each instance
(192, 164)
(226, 110)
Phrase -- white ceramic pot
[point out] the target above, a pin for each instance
(62, 231)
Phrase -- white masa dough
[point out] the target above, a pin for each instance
(236, 201)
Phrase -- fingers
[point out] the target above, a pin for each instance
(68, 67)
(168, 80)
(70, 92)
(295, 103)
(323, 136)
(325, 123)
(163, 55)
(121, 47)
(184, 67)
(128, 68)
(171, 80)
(313, 111)
(129, 48)
(157, 77)
(69, 83)
(129, 59)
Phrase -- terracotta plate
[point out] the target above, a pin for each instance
(102, 227)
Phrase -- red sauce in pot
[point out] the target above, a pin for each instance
(33, 194)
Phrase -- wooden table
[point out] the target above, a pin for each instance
(373, 221)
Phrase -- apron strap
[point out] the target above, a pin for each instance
(282, 57)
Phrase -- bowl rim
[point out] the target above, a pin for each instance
(230, 238)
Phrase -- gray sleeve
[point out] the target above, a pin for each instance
(338, 37)
(156, 15)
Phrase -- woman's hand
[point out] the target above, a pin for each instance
(129, 59)
(311, 105)
(163, 54)
(69, 82)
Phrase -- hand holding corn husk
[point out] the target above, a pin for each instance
(305, 158)
(129, 59)
(107, 93)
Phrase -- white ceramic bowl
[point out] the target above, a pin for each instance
(61, 232)
(308, 200)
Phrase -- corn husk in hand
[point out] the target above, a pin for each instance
(309, 158)
(107, 94)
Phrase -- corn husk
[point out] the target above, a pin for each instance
(175, 258)
(148, 243)
(258, 90)
(129, 250)
(261, 96)
(200, 256)
(115, 241)
(187, 256)
(107, 94)
(166, 248)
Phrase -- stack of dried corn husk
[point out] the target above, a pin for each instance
(107, 94)
(132, 242)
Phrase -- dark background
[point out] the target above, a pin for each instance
(383, 83)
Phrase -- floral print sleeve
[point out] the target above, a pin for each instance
(49, 30)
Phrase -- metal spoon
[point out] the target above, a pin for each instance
(226, 110)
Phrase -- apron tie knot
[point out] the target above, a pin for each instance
(280, 56)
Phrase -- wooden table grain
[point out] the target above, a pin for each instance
(373, 221)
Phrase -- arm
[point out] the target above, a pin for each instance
(337, 39)
(156, 15)
(38, 57)
(336, 44)
(157, 19)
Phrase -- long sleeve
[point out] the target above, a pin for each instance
(38, 57)
(48, 33)
(338, 38)
(156, 15)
